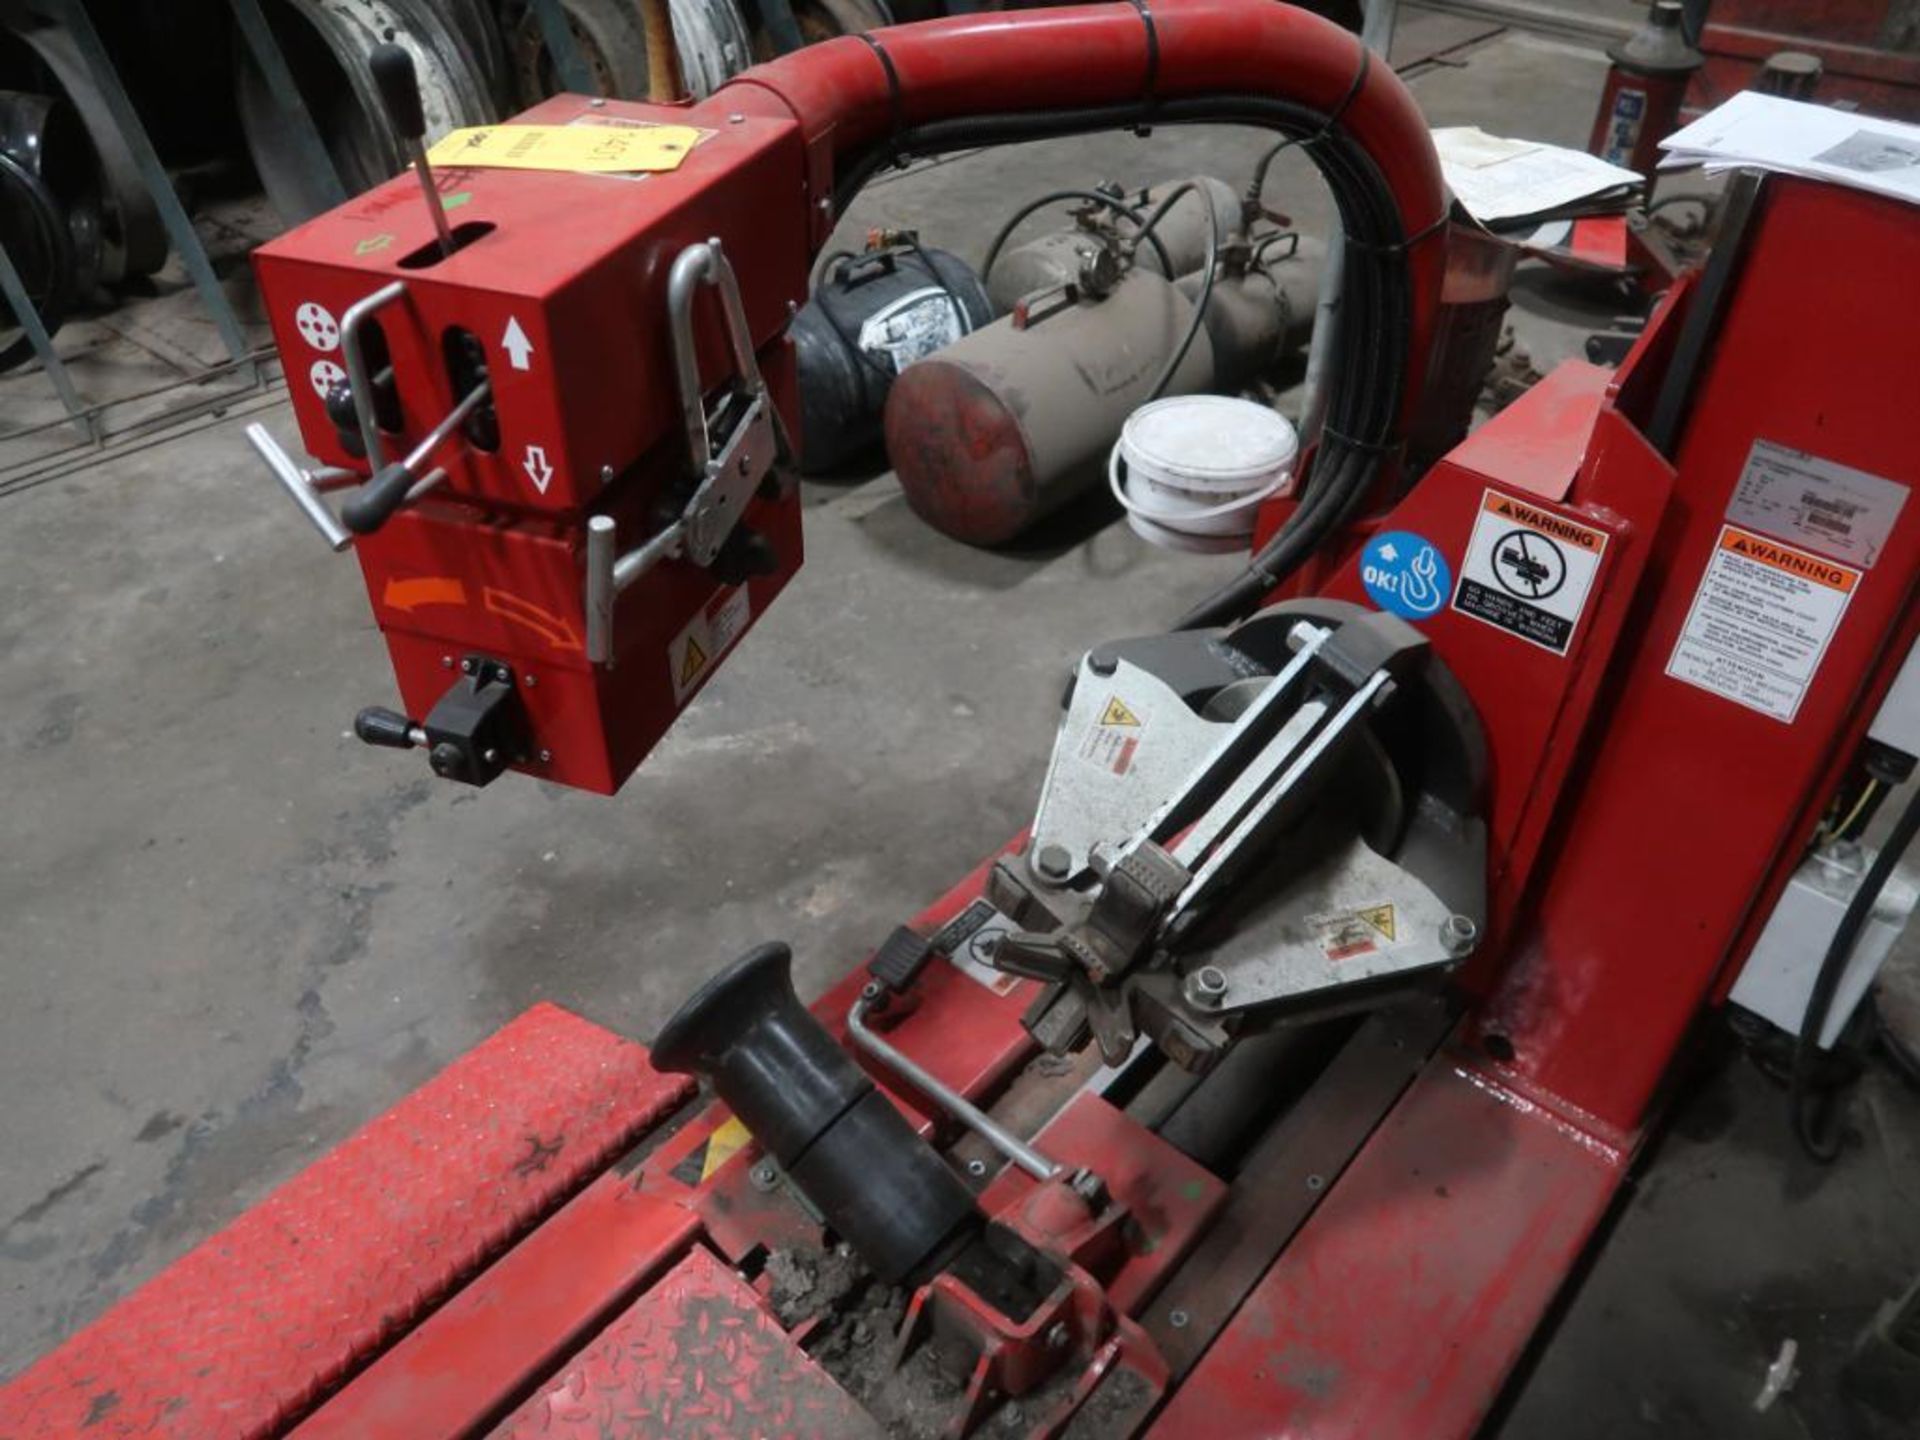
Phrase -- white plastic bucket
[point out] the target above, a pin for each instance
(1191, 470)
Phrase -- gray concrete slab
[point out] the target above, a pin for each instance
(229, 934)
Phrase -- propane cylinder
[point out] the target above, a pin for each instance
(871, 316)
(1056, 258)
(1002, 428)
(1641, 103)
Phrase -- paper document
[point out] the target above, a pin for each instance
(1506, 180)
(1796, 138)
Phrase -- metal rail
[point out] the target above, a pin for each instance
(944, 1095)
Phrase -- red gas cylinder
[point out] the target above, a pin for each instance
(1641, 104)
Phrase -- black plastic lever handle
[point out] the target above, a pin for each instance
(373, 504)
(377, 725)
(399, 89)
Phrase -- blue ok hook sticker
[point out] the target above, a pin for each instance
(1406, 574)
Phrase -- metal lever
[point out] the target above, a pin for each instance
(399, 89)
(305, 486)
(1027, 1157)
(398, 484)
(729, 471)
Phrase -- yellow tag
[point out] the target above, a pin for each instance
(584, 149)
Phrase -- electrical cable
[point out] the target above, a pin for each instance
(1119, 207)
(1841, 831)
(1376, 312)
(1167, 202)
(1801, 1098)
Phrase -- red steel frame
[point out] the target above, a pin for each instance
(1638, 829)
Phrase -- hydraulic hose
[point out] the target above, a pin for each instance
(1055, 197)
(918, 90)
(1167, 203)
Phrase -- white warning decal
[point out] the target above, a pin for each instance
(708, 636)
(969, 940)
(1529, 571)
(1114, 739)
(1761, 621)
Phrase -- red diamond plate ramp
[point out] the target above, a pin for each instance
(242, 1335)
(697, 1357)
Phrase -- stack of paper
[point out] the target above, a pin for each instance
(1796, 138)
(1512, 184)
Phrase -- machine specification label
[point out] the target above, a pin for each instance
(1840, 511)
(1529, 571)
(1761, 621)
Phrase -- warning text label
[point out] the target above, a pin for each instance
(1529, 571)
(1761, 621)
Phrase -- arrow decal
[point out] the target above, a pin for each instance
(518, 347)
(538, 468)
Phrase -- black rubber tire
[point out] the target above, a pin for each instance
(34, 231)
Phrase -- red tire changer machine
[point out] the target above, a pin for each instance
(1273, 1082)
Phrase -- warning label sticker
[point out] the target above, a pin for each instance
(968, 941)
(708, 636)
(1529, 571)
(1347, 934)
(1761, 621)
(1839, 511)
(1113, 741)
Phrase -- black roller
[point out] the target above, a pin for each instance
(843, 1143)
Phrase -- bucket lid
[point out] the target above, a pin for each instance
(1212, 439)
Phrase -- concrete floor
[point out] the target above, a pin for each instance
(232, 934)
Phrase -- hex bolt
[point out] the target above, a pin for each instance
(1103, 662)
(1458, 934)
(1207, 987)
(531, 682)
(764, 1176)
(1052, 862)
(466, 666)
(736, 118)
(446, 662)
(546, 756)
(1059, 1337)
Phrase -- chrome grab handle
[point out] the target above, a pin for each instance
(729, 473)
(359, 381)
(305, 486)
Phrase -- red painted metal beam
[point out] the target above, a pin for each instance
(1400, 1308)
(241, 1336)
(699, 1355)
(515, 1324)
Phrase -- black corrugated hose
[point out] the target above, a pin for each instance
(1812, 1110)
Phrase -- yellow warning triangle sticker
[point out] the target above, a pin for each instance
(692, 663)
(1380, 917)
(728, 1140)
(1118, 713)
